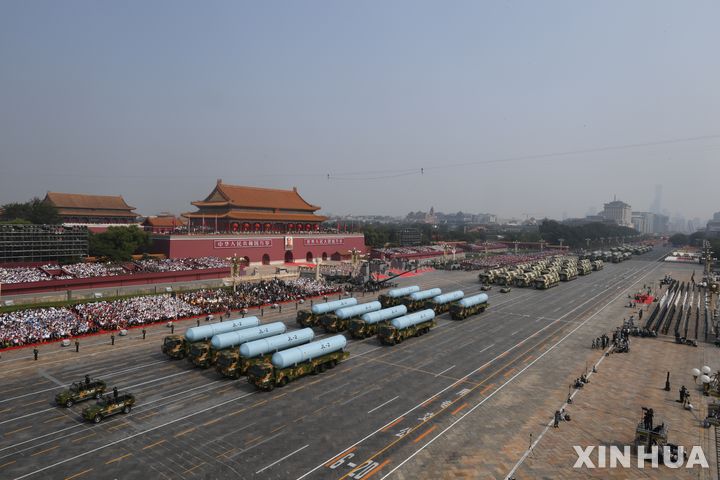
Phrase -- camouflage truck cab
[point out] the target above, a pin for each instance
(175, 346)
(80, 391)
(360, 329)
(231, 364)
(305, 318)
(108, 406)
(201, 354)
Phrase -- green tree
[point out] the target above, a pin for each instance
(679, 239)
(119, 243)
(35, 211)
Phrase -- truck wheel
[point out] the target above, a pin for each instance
(283, 382)
(68, 403)
(97, 418)
(271, 387)
(323, 367)
(126, 409)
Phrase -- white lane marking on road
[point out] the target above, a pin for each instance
(383, 404)
(81, 423)
(513, 333)
(104, 375)
(50, 377)
(455, 383)
(102, 447)
(481, 402)
(27, 415)
(283, 458)
(333, 389)
(444, 371)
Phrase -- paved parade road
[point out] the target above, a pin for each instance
(363, 419)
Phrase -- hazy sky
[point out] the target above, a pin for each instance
(156, 100)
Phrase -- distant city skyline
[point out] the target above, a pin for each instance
(512, 108)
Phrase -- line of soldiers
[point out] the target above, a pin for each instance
(601, 342)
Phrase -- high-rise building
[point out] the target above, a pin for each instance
(643, 222)
(619, 212)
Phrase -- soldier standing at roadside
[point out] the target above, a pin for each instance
(112, 339)
(77, 345)
(35, 353)
(144, 332)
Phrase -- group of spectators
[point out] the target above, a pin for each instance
(100, 269)
(23, 275)
(89, 270)
(40, 325)
(248, 295)
(182, 264)
(24, 327)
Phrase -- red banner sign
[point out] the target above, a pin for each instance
(249, 243)
(310, 242)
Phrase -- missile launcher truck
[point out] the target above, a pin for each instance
(368, 323)
(568, 273)
(311, 317)
(584, 267)
(526, 279)
(547, 280)
(227, 346)
(401, 328)
(416, 301)
(506, 278)
(468, 306)
(178, 346)
(395, 296)
(201, 352)
(441, 303)
(293, 363)
(598, 265)
(259, 351)
(339, 320)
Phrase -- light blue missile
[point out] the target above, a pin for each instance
(384, 314)
(278, 342)
(354, 311)
(413, 319)
(196, 334)
(433, 292)
(232, 339)
(293, 356)
(401, 292)
(321, 308)
(474, 300)
(448, 297)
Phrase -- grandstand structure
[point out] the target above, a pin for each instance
(42, 243)
(258, 225)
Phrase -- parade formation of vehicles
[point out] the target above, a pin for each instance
(271, 357)
(94, 389)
